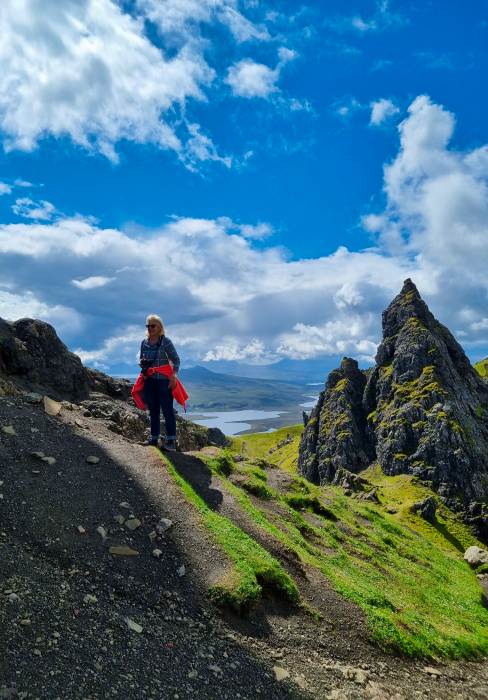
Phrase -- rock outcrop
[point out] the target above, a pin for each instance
(423, 410)
(335, 435)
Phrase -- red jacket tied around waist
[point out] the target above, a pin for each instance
(179, 392)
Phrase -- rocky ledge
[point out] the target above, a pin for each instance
(422, 410)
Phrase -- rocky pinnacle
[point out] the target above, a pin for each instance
(422, 410)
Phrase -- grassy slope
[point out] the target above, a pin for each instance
(482, 367)
(408, 576)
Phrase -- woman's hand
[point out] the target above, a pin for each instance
(172, 382)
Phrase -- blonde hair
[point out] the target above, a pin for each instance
(156, 319)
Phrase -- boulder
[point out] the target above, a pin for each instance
(475, 556)
(426, 509)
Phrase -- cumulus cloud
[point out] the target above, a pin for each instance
(250, 79)
(4, 188)
(226, 293)
(381, 111)
(89, 70)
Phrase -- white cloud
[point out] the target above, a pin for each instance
(381, 110)
(67, 321)
(28, 209)
(88, 70)
(4, 188)
(92, 282)
(226, 294)
(250, 79)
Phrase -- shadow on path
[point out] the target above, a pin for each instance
(198, 475)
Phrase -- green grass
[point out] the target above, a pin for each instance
(257, 445)
(407, 575)
(482, 367)
(253, 568)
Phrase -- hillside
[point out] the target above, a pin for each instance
(217, 571)
(482, 367)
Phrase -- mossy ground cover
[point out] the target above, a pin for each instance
(407, 575)
(253, 567)
(482, 367)
(258, 445)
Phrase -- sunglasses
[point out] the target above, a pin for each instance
(150, 325)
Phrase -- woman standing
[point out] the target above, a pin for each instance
(158, 351)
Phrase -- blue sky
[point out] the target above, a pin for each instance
(262, 174)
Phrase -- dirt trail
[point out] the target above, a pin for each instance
(71, 614)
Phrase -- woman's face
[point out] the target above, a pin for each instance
(152, 329)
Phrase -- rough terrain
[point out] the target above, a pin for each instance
(68, 606)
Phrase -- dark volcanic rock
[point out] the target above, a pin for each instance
(423, 411)
(335, 436)
(426, 509)
(426, 406)
(33, 357)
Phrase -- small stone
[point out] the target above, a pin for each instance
(81, 529)
(68, 405)
(91, 459)
(181, 571)
(38, 455)
(119, 519)
(163, 525)
(8, 430)
(215, 668)
(133, 523)
(134, 626)
(37, 652)
(79, 423)
(56, 635)
(157, 553)
(193, 674)
(281, 673)
(32, 397)
(89, 598)
(102, 532)
(51, 407)
(125, 505)
(152, 535)
(25, 622)
(49, 460)
(34, 430)
(431, 671)
(13, 597)
(123, 551)
(36, 471)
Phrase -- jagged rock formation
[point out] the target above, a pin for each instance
(334, 435)
(34, 359)
(423, 411)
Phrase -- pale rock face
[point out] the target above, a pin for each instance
(422, 410)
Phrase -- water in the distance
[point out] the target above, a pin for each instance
(232, 422)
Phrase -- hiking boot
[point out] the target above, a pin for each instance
(170, 444)
(153, 441)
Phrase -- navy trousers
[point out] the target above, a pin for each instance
(158, 397)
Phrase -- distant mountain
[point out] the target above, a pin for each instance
(296, 371)
(224, 392)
